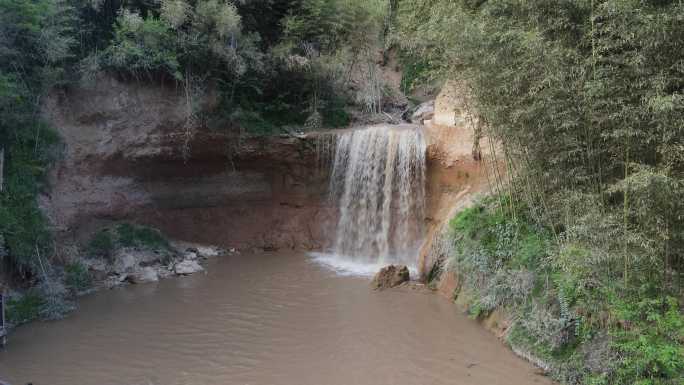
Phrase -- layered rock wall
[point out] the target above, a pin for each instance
(128, 156)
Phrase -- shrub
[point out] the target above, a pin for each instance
(102, 244)
(106, 241)
(143, 237)
(651, 342)
(56, 300)
(565, 308)
(48, 300)
(76, 277)
(24, 308)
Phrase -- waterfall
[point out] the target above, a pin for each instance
(377, 181)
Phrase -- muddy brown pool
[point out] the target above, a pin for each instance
(266, 319)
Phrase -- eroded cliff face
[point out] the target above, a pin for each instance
(128, 156)
(457, 173)
(125, 158)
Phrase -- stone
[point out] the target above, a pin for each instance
(144, 275)
(390, 276)
(128, 260)
(191, 255)
(124, 263)
(114, 280)
(209, 251)
(202, 251)
(187, 267)
(424, 111)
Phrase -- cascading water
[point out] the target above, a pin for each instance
(377, 179)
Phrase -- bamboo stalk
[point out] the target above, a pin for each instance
(2, 168)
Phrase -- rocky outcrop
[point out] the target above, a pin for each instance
(390, 276)
(423, 112)
(137, 266)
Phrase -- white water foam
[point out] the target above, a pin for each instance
(347, 266)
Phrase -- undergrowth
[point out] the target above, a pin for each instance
(588, 327)
(126, 235)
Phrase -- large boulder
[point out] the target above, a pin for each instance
(425, 111)
(187, 267)
(390, 276)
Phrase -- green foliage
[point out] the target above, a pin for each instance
(585, 98)
(24, 308)
(105, 242)
(76, 277)
(102, 244)
(332, 24)
(177, 39)
(142, 237)
(588, 328)
(652, 342)
(414, 73)
(143, 46)
(268, 75)
(36, 45)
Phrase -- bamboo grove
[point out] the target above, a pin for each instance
(585, 98)
(584, 101)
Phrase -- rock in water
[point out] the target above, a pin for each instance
(187, 267)
(390, 276)
(146, 274)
